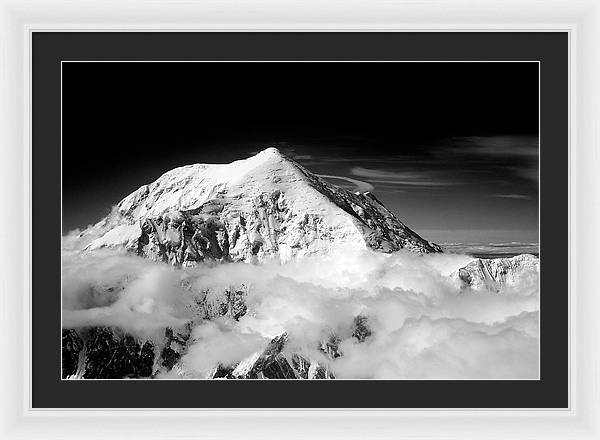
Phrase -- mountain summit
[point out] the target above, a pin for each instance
(249, 210)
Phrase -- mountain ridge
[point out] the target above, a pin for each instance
(496, 274)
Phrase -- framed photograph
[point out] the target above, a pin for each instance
(366, 226)
(276, 217)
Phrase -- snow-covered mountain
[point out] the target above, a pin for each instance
(249, 210)
(496, 274)
(252, 210)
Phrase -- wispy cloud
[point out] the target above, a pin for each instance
(503, 164)
(505, 146)
(424, 183)
(513, 196)
(517, 155)
(403, 178)
(293, 153)
(390, 190)
(528, 173)
(383, 174)
(359, 185)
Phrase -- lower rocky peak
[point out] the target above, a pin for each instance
(111, 353)
(497, 274)
(106, 353)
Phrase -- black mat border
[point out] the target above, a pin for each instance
(50, 48)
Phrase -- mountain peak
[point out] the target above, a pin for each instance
(264, 206)
(271, 152)
(269, 155)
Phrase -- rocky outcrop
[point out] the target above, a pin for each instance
(111, 353)
(496, 274)
(72, 348)
(274, 363)
(105, 353)
(231, 302)
(174, 346)
(361, 330)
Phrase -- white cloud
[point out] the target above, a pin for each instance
(113, 289)
(423, 325)
(217, 342)
(447, 348)
(523, 150)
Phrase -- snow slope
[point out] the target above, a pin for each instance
(496, 274)
(266, 206)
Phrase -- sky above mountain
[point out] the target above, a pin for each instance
(451, 148)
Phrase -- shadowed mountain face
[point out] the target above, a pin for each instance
(266, 206)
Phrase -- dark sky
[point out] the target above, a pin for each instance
(448, 147)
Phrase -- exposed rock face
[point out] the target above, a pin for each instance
(498, 273)
(72, 346)
(232, 302)
(361, 329)
(110, 353)
(105, 353)
(274, 363)
(270, 364)
(175, 344)
(267, 206)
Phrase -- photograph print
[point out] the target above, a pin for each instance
(300, 220)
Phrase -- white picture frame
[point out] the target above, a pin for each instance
(18, 19)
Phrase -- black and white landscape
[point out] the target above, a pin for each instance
(329, 241)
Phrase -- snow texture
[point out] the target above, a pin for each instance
(267, 206)
(496, 274)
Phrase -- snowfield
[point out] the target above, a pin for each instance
(260, 269)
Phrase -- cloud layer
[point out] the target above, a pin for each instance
(422, 324)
